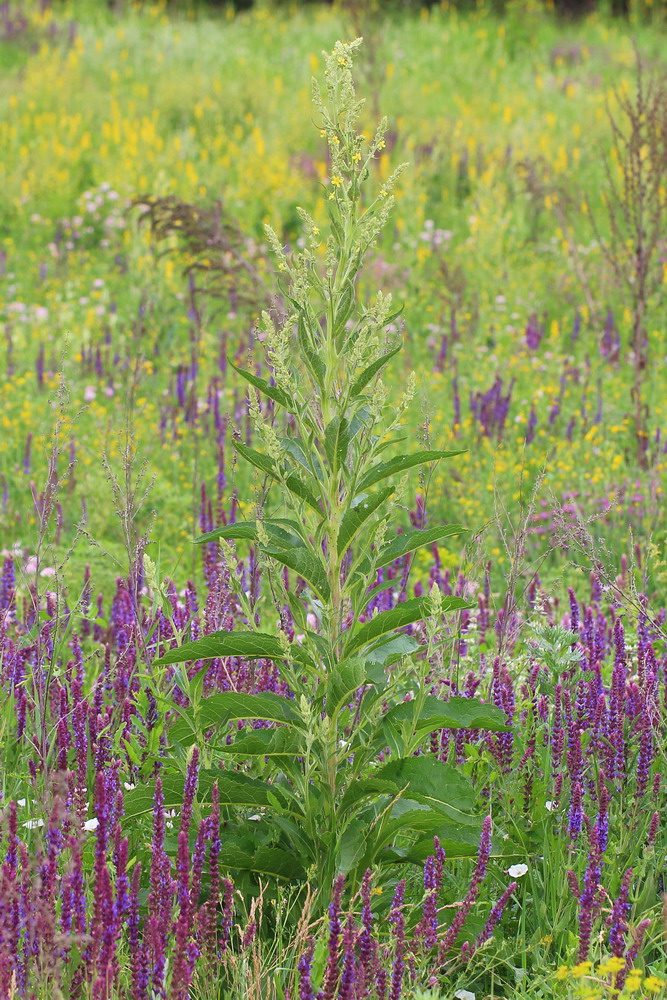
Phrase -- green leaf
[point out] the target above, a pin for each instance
(298, 611)
(249, 645)
(336, 441)
(267, 465)
(261, 462)
(219, 709)
(364, 789)
(272, 391)
(305, 563)
(344, 681)
(282, 742)
(403, 614)
(431, 782)
(408, 541)
(232, 705)
(456, 713)
(355, 517)
(400, 464)
(352, 845)
(367, 374)
(271, 861)
(313, 359)
(345, 308)
(297, 451)
(457, 842)
(235, 789)
(392, 650)
(248, 530)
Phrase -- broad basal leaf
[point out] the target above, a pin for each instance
(273, 862)
(428, 780)
(456, 713)
(235, 789)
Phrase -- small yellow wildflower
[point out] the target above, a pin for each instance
(653, 984)
(633, 983)
(336, 180)
(582, 969)
(611, 965)
(563, 972)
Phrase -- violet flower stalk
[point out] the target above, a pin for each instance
(618, 920)
(397, 919)
(365, 938)
(190, 789)
(347, 979)
(304, 967)
(633, 951)
(332, 973)
(479, 873)
(589, 897)
(494, 917)
(433, 871)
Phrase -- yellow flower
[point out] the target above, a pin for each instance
(336, 180)
(611, 965)
(633, 983)
(581, 970)
(653, 984)
(563, 972)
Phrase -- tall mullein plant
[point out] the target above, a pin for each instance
(330, 500)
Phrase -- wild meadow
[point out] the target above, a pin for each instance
(333, 590)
